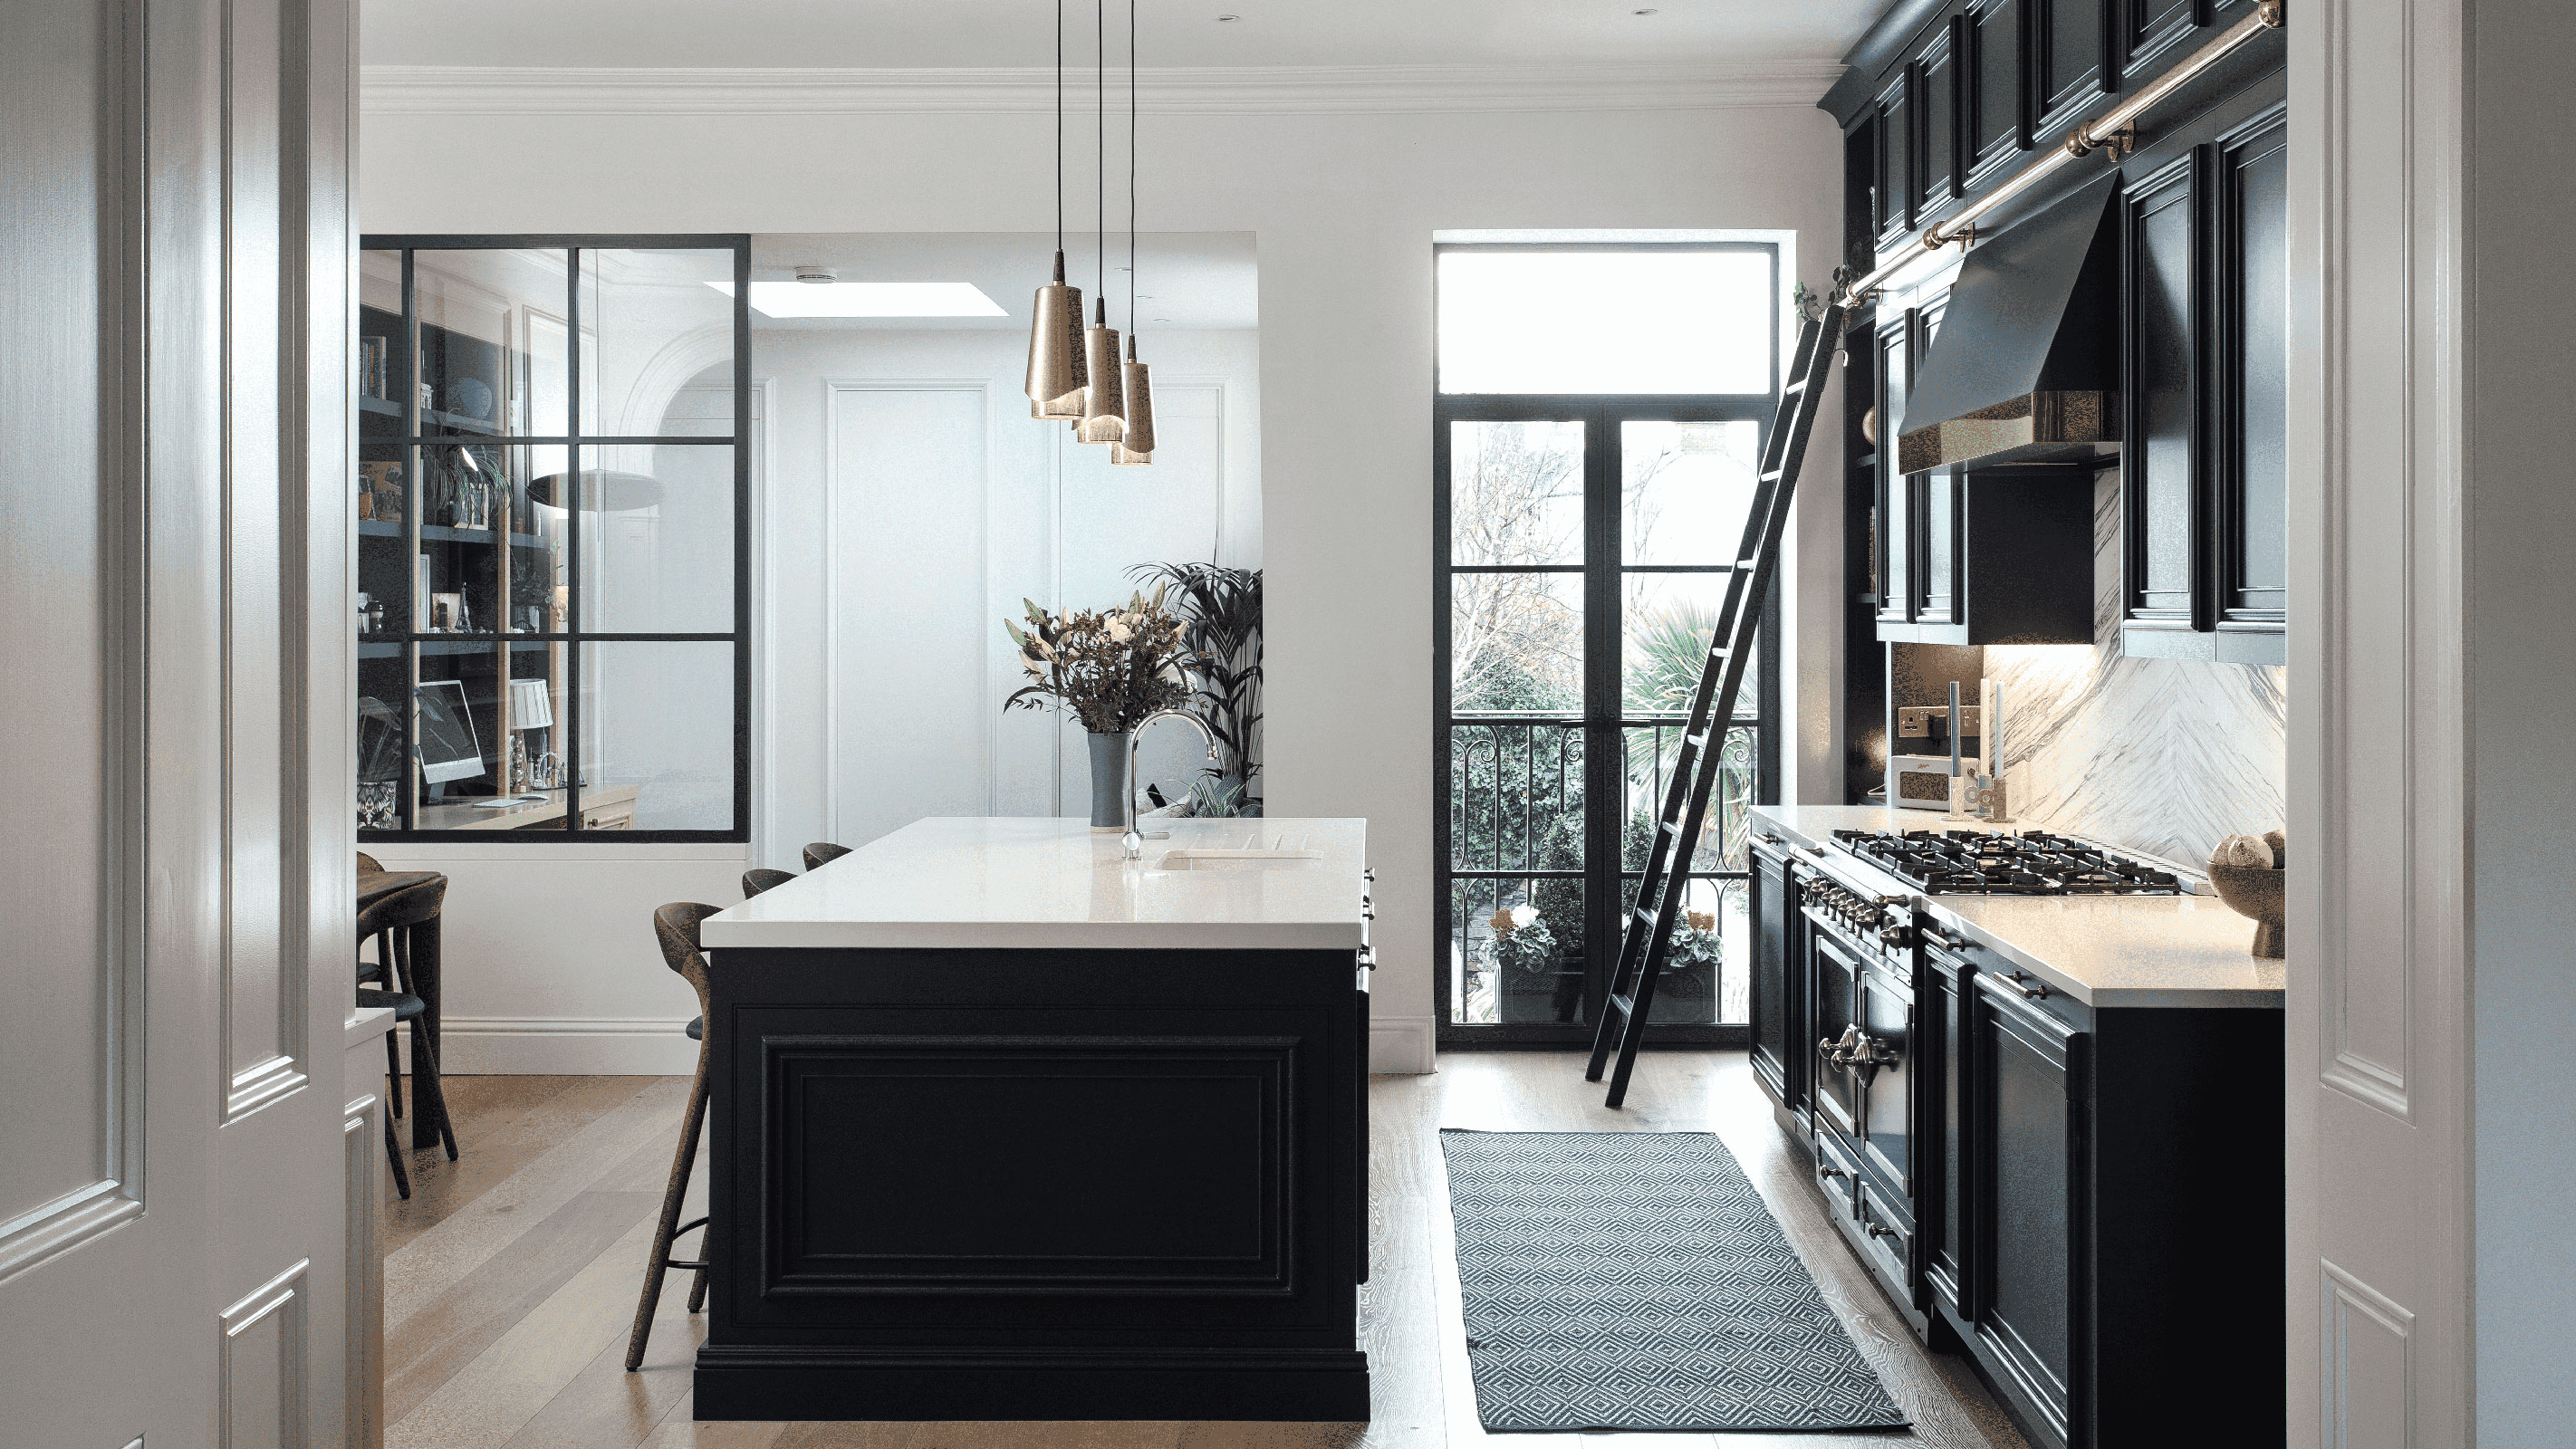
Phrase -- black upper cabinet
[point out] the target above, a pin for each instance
(1936, 95)
(1894, 582)
(1896, 190)
(2071, 56)
(2253, 363)
(2149, 28)
(2205, 316)
(1997, 102)
(2160, 373)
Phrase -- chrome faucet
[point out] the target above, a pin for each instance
(1132, 843)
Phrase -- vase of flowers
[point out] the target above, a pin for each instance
(1113, 668)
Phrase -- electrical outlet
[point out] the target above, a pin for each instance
(1923, 722)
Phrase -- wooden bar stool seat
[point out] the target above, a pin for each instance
(821, 851)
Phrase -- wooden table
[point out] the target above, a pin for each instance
(423, 982)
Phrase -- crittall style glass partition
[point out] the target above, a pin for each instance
(552, 492)
(1599, 421)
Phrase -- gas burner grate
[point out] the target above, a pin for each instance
(1975, 863)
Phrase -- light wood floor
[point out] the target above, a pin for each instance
(511, 1275)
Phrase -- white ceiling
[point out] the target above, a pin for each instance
(1186, 280)
(1174, 33)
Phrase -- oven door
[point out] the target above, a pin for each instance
(1835, 994)
(1885, 1011)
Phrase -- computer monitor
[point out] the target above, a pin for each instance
(446, 741)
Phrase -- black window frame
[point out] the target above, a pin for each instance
(1604, 719)
(412, 439)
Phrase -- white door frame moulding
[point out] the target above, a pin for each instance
(833, 387)
(1210, 90)
(764, 608)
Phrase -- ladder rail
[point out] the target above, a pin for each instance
(1646, 938)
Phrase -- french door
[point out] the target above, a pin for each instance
(1585, 544)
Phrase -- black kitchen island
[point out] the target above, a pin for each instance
(1007, 1127)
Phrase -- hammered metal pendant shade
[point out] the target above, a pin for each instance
(1104, 412)
(1058, 371)
(1136, 449)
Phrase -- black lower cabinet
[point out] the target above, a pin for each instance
(1036, 1184)
(2087, 1203)
(2027, 1118)
(1778, 1011)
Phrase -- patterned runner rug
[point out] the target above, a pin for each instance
(1634, 1280)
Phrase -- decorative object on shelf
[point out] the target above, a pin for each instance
(1135, 447)
(1220, 611)
(379, 763)
(1114, 668)
(2255, 891)
(381, 488)
(1869, 427)
(1104, 411)
(428, 397)
(472, 397)
(1057, 370)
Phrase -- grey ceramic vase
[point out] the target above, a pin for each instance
(1109, 781)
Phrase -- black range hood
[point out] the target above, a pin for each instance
(2026, 366)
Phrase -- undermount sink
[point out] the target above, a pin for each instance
(1236, 859)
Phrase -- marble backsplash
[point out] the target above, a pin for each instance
(2157, 755)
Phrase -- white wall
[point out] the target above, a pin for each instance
(911, 506)
(1344, 205)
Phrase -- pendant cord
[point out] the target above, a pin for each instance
(1059, 127)
(1100, 147)
(1131, 176)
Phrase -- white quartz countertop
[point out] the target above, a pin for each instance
(2107, 951)
(1024, 882)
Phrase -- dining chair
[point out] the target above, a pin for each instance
(389, 922)
(676, 925)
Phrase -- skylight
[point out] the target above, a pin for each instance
(868, 299)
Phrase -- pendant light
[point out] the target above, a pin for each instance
(1058, 371)
(1136, 448)
(1104, 414)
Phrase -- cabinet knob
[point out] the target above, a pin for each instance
(1369, 874)
(2029, 985)
(1878, 1229)
(1826, 1169)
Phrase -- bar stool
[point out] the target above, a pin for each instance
(764, 879)
(407, 1007)
(677, 927)
(389, 921)
(821, 851)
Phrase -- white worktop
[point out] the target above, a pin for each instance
(1024, 882)
(2107, 951)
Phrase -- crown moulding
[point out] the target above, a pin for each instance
(510, 90)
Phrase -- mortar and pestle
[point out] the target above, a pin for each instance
(2251, 890)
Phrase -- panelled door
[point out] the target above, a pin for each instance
(174, 550)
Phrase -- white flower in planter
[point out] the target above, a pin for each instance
(1120, 631)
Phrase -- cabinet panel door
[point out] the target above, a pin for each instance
(2029, 1118)
(2153, 27)
(1896, 186)
(1996, 84)
(2253, 367)
(1775, 1033)
(1936, 89)
(1937, 534)
(1895, 374)
(2161, 464)
(2072, 69)
(1943, 1092)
